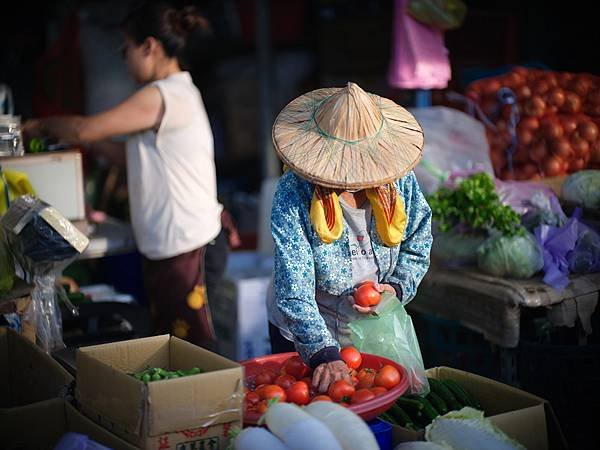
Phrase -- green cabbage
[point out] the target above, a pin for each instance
(583, 188)
(511, 257)
(468, 429)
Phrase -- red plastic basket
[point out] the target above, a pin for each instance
(368, 410)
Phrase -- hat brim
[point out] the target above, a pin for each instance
(394, 150)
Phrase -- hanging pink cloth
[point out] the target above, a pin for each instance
(419, 57)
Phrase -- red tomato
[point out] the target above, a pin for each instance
(295, 367)
(299, 393)
(378, 390)
(366, 378)
(285, 381)
(388, 377)
(340, 391)
(321, 398)
(362, 396)
(267, 376)
(272, 391)
(262, 407)
(351, 357)
(366, 295)
(252, 398)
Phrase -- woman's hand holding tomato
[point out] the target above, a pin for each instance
(366, 296)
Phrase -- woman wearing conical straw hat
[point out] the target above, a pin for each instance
(348, 210)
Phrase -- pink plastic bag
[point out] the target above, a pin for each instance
(419, 57)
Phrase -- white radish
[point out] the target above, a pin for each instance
(352, 432)
(298, 429)
(255, 438)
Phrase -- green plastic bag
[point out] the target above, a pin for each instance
(7, 269)
(391, 334)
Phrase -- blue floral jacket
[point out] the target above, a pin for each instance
(303, 263)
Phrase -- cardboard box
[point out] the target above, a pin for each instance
(41, 425)
(179, 413)
(524, 417)
(27, 374)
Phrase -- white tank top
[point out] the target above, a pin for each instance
(171, 175)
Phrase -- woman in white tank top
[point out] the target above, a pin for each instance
(171, 172)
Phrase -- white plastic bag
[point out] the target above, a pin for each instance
(454, 142)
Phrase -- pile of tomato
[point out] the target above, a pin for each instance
(558, 131)
(292, 382)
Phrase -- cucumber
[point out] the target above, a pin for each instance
(438, 403)
(442, 390)
(461, 394)
(429, 412)
(386, 417)
(409, 403)
(400, 417)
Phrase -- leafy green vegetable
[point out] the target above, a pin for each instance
(475, 204)
(513, 257)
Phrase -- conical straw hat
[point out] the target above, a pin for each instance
(346, 138)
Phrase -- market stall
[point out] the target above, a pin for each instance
(390, 233)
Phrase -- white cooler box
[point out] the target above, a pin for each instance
(240, 311)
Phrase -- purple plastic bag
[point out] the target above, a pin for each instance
(573, 247)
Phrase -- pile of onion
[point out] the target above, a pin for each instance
(558, 131)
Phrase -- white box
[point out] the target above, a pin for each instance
(57, 178)
(240, 311)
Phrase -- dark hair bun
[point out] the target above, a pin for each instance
(191, 20)
(172, 27)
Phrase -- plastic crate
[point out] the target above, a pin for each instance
(446, 342)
